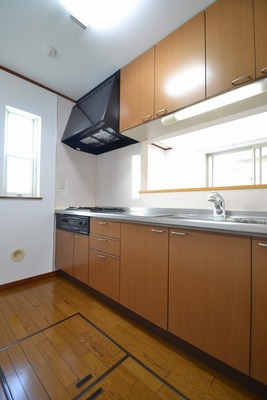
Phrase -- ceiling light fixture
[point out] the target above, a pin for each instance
(215, 103)
(100, 14)
(79, 21)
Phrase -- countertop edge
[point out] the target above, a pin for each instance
(244, 229)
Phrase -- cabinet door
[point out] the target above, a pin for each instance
(259, 311)
(209, 294)
(180, 67)
(260, 17)
(104, 274)
(64, 251)
(137, 91)
(230, 53)
(144, 271)
(80, 257)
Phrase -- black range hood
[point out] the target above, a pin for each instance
(93, 125)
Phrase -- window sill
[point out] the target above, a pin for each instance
(203, 189)
(21, 198)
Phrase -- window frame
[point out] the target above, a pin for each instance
(34, 158)
(256, 169)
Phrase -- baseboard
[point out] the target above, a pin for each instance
(28, 280)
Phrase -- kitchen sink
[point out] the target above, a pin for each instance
(209, 217)
(248, 220)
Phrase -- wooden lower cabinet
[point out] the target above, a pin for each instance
(64, 251)
(72, 254)
(80, 257)
(104, 259)
(258, 368)
(209, 294)
(104, 274)
(144, 271)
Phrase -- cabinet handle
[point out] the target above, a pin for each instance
(158, 230)
(101, 256)
(241, 79)
(103, 223)
(161, 112)
(179, 233)
(102, 240)
(146, 118)
(264, 70)
(262, 244)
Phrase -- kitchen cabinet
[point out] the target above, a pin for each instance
(230, 56)
(144, 271)
(260, 18)
(180, 67)
(104, 258)
(80, 257)
(72, 254)
(209, 294)
(258, 368)
(137, 91)
(64, 251)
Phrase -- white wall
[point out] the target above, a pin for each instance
(114, 187)
(28, 224)
(118, 177)
(76, 171)
(243, 200)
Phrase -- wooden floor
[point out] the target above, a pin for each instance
(42, 319)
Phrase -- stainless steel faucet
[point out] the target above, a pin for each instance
(219, 205)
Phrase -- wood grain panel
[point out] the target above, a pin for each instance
(209, 294)
(229, 44)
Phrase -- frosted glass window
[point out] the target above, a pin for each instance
(22, 153)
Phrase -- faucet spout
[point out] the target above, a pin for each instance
(219, 205)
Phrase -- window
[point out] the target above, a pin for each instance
(237, 150)
(22, 153)
(242, 166)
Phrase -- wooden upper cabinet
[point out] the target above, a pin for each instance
(230, 55)
(180, 67)
(260, 19)
(137, 91)
(258, 368)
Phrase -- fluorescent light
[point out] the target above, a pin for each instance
(225, 99)
(99, 14)
(82, 22)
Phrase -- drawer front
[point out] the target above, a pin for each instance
(104, 274)
(105, 227)
(105, 244)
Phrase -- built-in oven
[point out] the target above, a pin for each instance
(73, 223)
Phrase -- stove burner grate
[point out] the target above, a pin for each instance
(98, 209)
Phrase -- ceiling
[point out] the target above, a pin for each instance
(84, 57)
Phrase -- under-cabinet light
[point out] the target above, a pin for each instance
(225, 99)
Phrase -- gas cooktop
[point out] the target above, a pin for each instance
(98, 209)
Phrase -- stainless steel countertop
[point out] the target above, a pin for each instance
(164, 217)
